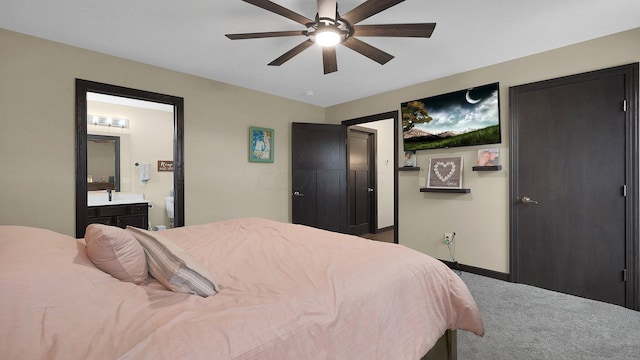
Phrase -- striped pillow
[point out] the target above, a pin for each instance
(172, 266)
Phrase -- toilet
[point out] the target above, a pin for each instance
(168, 201)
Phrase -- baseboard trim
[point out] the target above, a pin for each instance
(476, 270)
(385, 229)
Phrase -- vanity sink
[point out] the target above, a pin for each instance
(101, 198)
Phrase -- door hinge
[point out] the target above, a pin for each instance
(624, 190)
(624, 275)
(624, 105)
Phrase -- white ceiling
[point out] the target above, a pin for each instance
(188, 36)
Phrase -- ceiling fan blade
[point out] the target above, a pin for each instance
(368, 9)
(367, 50)
(291, 53)
(277, 9)
(265, 34)
(327, 9)
(329, 59)
(397, 30)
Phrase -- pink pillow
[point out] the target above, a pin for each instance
(116, 252)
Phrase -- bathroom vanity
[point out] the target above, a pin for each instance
(120, 209)
(124, 215)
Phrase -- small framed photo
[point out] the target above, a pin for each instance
(488, 157)
(445, 173)
(261, 142)
(410, 159)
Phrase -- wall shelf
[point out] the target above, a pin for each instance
(409, 168)
(487, 168)
(457, 191)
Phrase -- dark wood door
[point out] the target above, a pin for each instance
(569, 170)
(318, 167)
(361, 179)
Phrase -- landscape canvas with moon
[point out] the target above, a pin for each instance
(461, 118)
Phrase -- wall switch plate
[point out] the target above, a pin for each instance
(448, 238)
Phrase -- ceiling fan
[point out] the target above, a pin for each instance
(330, 28)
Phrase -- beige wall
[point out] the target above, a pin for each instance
(481, 218)
(37, 141)
(37, 135)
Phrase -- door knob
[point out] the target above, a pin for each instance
(370, 189)
(298, 194)
(528, 200)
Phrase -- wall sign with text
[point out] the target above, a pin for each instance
(165, 165)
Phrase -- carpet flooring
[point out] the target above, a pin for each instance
(524, 322)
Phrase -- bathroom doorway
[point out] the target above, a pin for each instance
(146, 137)
(148, 127)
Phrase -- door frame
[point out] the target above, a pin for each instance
(377, 117)
(632, 243)
(85, 86)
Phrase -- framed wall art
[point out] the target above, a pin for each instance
(261, 143)
(461, 118)
(445, 173)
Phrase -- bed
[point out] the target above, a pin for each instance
(278, 291)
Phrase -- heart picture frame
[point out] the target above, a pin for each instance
(445, 172)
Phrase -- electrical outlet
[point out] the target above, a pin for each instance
(448, 238)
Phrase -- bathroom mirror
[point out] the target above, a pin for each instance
(83, 87)
(103, 162)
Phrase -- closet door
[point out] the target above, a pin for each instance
(572, 173)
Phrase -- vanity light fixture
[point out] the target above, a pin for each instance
(107, 121)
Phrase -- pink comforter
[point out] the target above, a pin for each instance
(287, 292)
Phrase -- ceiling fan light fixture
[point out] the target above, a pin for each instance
(327, 36)
(329, 29)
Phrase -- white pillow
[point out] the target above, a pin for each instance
(172, 266)
(116, 252)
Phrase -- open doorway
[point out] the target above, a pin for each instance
(90, 100)
(372, 181)
(144, 133)
(362, 180)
